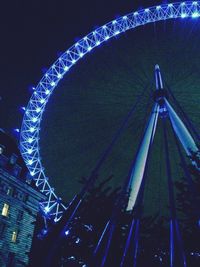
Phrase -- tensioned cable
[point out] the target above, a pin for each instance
(107, 151)
(79, 198)
(111, 226)
(171, 194)
(118, 207)
(188, 177)
(139, 203)
(187, 120)
(173, 222)
(127, 180)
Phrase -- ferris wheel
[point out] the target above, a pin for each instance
(30, 129)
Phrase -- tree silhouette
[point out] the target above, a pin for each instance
(188, 203)
(81, 237)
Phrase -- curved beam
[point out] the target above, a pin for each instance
(29, 137)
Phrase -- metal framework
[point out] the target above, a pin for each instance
(137, 179)
(30, 129)
(179, 128)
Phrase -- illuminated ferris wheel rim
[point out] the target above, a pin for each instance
(29, 136)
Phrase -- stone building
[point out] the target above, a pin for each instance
(19, 202)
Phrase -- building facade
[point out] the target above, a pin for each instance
(19, 205)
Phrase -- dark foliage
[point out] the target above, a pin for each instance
(188, 203)
(76, 246)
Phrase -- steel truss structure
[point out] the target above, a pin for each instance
(30, 129)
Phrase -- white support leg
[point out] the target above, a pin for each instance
(140, 163)
(181, 131)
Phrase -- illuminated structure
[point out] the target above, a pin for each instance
(135, 183)
(19, 201)
(161, 106)
(29, 140)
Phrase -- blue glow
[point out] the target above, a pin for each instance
(71, 258)
(184, 15)
(46, 209)
(17, 130)
(34, 119)
(30, 162)
(32, 173)
(77, 240)
(31, 121)
(38, 109)
(44, 231)
(30, 140)
(195, 15)
(32, 129)
(23, 108)
(67, 232)
(30, 151)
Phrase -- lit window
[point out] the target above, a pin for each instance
(5, 210)
(14, 237)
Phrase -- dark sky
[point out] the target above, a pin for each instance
(33, 33)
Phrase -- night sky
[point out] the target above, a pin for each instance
(91, 101)
(33, 33)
